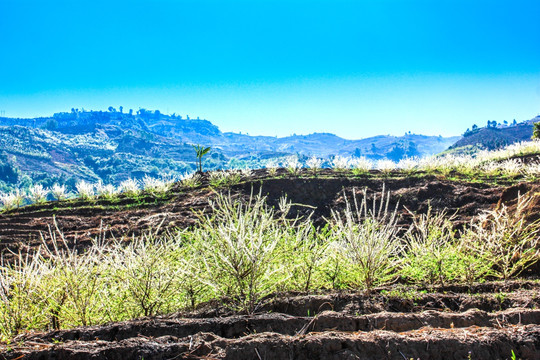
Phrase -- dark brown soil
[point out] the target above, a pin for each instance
(486, 325)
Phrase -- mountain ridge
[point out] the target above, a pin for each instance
(112, 146)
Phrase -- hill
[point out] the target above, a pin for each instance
(495, 136)
(113, 146)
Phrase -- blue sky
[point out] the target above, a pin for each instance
(354, 68)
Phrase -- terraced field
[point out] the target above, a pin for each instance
(491, 320)
(488, 321)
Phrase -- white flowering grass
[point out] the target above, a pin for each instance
(191, 180)
(217, 178)
(155, 185)
(314, 163)
(59, 192)
(130, 187)
(512, 167)
(38, 193)
(246, 173)
(361, 165)
(408, 165)
(386, 166)
(12, 200)
(85, 190)
(341, 163)
(272, 166)
(107, 191)
(292, 164)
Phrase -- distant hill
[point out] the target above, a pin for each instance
(495, 136)
(112, 146)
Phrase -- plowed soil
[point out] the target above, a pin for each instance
(496, 320)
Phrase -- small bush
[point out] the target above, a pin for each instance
(369, 239)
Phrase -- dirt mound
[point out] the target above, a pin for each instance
(354, 325)
(80, 221)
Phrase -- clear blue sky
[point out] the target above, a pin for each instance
(354, 68)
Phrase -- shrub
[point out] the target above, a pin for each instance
(237, 245)
(148, 274)
(75, 281)
(314, 163)
(431, 255)
(303, 253)
(59, 192)
(85, 190)
(369, 239)
(38, 194)
(21, 306)
(505, 239)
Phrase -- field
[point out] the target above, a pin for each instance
(412, 263)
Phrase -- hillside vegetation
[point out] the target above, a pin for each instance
(114, 146)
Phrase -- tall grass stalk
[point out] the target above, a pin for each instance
(369, 238)
(237, 245)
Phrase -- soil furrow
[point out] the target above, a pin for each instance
(426, 343)
(240, 325)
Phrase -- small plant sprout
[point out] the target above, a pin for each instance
(272, 166)
(130, 187)
(314, 163)
(38, 194)
(293, 164)
(59, 192)
(85, 190)
(200, 152)
(191, 180)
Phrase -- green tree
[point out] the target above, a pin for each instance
(536, 130)
(200, 151)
